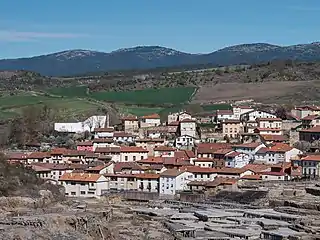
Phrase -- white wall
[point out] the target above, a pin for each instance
(132, 156)
(169, 185)
(88, 125)
(144, 183)
(188, 128)
(253, 115)
(237, 161)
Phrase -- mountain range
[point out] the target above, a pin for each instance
(77, 62)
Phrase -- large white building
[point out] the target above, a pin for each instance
(239, 110)
(173, 180)
(254, 114)
(84, 184)
(88, 125)
(188, 127)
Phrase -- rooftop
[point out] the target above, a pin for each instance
(80, 177)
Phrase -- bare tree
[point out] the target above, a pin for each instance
(303, 146)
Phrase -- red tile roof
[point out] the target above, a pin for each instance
(233, 154)
(151, 140)
(98, 168)
(107, 150)
(147, 176)
(103, 140)
(275, 138)
(268, 129)
(315, 129)
(248, 145)
(39, 155)
(80, 177)
(274, 173)
(151, 116)
(104, 129)
(130, 118)
(120, 166)
(122, 134)
(171, 173)
(311, 158)
(310, 117)
(207, 160)
(59, 151)
(86, 143)
(164, 148)
(133, 149)
(188, 120)
(251, 177)
(231, 121)
(224, 112)
(257, 168)
(152, 160)
(269, 119)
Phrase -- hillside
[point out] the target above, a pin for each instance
(75, 62)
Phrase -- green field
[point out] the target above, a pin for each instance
(12, 106)
(140, 111)
(214, 107)
(147, 96)
(80, 91)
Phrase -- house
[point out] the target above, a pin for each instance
(268, 139)
(151, 161)
(201, 173)
(224, 115)
(102, 142)
(121, 182)
(174, 180)
(132, 154)
(16, 157)
(268, 131)
(152, 120)
(250, 126)
(157, 132)
(164, 151)
(269, 123)
(231, 128)
(173, 128)
(221, 183)
(188, 127)
(248, 148)
(42, 172)
(185, 141)
(310, 121)
(176, 117)
(39, 157)
(236, 173)
(85, 146)
(310, 165)
(236, 159)
(101, 169)
(58, 169)
(276, 153)
(208, 162)
(239, 110)
(310, 135)
(112, 153)
(304, 111)
(130, 124)
(103, 132)
(84, 184)
(207, 150)
(149, 144)
(278, 172)
(128, 168)
(148, 182)
(123, 137)
(88, 125)
(254, 114)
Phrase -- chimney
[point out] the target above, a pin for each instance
(108, 120)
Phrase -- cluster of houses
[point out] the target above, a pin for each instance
(168, 158)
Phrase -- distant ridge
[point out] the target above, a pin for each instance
(79, 61)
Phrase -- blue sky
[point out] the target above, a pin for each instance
(35, 27)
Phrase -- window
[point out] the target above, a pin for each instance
(82, 192)
(73, 193)
(134, 158)
(141, 157)
(82, 184)
(126, 158)
(90, 192)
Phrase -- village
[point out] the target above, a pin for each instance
(243, 173)
(177, 156)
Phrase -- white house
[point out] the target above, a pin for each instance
(254, 114)
(123, 137)
(152, 120)
(277, 153)
(88, 125)
(236, 159)
(268, 131)
(132, 154)
(184, 141)
(248, 148)
(179, 116)
(239, 110)
(188, 127)
(173, 180)
(147, 182)
(164, 151)
(113, 153)
(83, 184)
(269, 122)
(224, 115)
(103, 132)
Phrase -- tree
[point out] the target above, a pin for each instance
(281, 112)
(303, 146)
